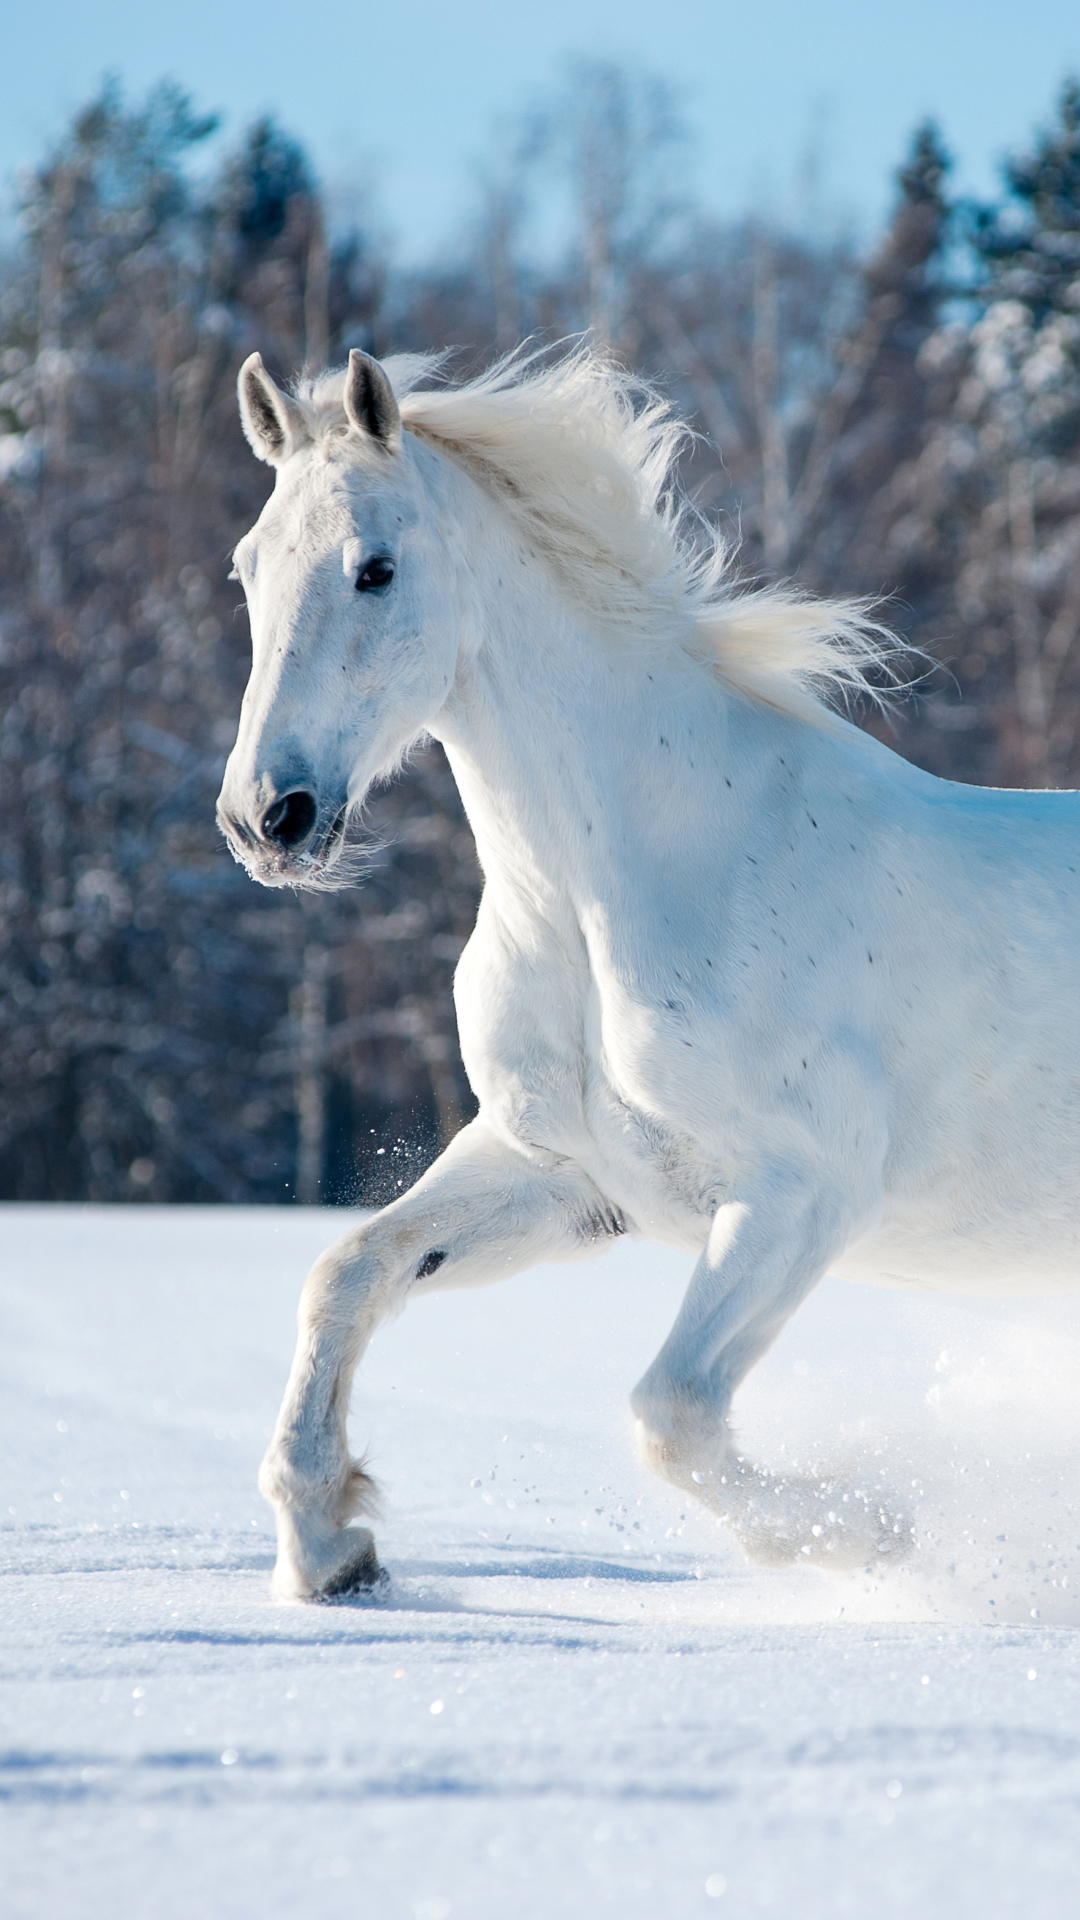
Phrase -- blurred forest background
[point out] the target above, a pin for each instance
(904, 421)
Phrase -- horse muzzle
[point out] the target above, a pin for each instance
(288, 842)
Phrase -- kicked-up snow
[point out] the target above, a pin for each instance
(574, 1697)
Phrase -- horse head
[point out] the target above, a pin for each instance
(353, 647)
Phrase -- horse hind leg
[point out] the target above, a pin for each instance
(751, 1277)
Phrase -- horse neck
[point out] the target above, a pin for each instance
(557, 736)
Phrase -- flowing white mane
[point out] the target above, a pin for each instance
(584, 458)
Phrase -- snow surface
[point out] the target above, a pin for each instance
(576, 1698)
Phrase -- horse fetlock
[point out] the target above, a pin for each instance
(318, 1561)
(357, 1495)
(341, 1492)
(283, 1483)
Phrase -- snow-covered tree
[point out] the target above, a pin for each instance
(907, 423)
(166, 1030)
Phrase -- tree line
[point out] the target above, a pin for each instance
(902, 423)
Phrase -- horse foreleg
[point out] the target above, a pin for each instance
(481, 1213)
(761, 1259)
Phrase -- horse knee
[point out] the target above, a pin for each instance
(356, 1279)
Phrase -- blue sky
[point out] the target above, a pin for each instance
(401, 98)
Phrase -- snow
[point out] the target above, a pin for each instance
(573, 1700)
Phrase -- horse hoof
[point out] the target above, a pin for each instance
(360, 1573)
(342, 1563)
(831, 1552)
(804, 1531)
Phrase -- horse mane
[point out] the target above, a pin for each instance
(584, 456)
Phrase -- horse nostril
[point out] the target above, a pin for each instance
(289, 822)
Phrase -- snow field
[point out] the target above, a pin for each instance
(576, 1697)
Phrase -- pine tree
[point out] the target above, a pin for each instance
(1030, 250)
(1020, 407)
(872, 424)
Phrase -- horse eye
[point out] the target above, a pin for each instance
(374, 573)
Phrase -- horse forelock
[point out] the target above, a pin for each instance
(583, 457)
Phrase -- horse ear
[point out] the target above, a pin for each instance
(272, 422)
(370, 402)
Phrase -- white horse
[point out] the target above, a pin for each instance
(742, 980)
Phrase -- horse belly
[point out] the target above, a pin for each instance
(982, 1184)
(1016, 1254)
